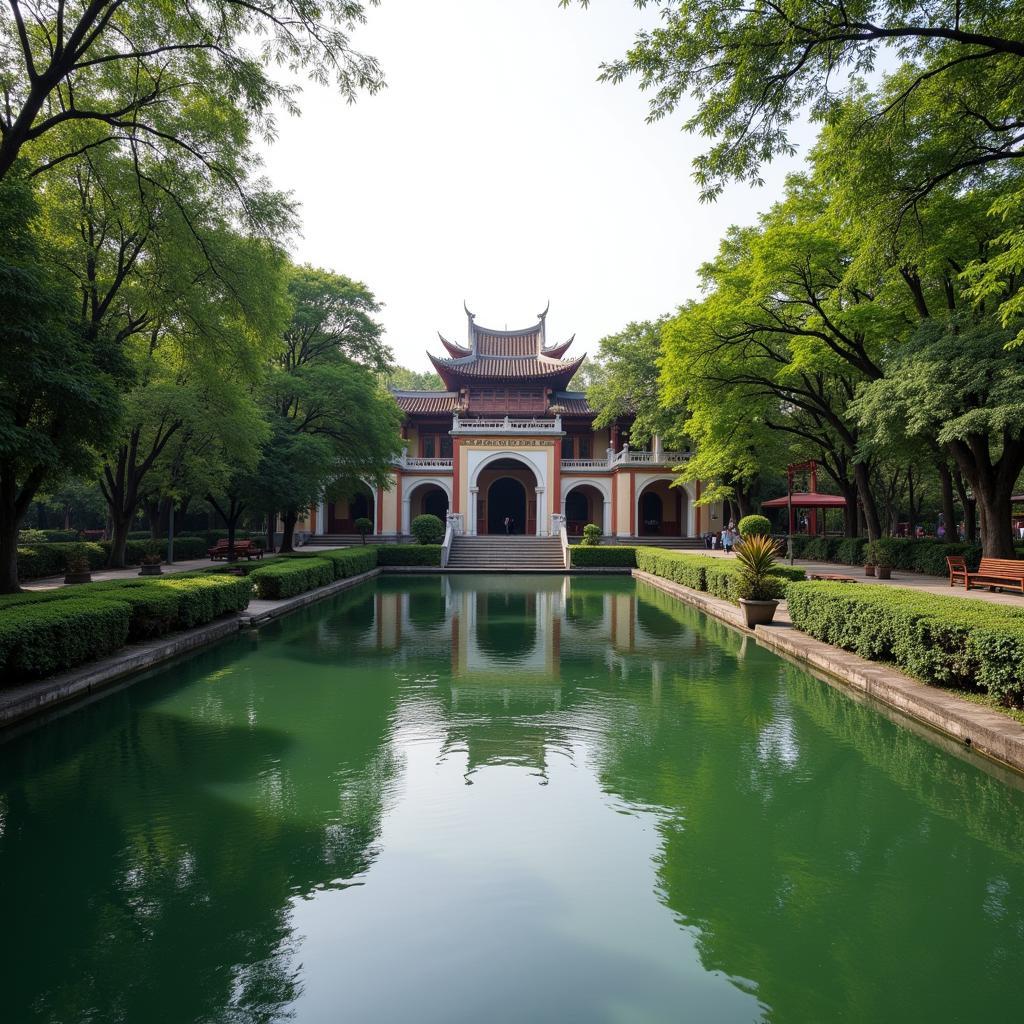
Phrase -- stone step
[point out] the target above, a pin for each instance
(503, 552)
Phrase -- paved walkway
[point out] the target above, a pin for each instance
(910, 580)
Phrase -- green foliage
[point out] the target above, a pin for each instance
(946, 641)
(409, 554)
(290, 577)
(585, 556)
(39, 561)
(363, 527)
(591, 535)
(716, 576)
(428, 529)
(348, 562)
(881, 552)
(753, 526)
(850, 551)
(39, 639)
(401, 379)
(755, 560)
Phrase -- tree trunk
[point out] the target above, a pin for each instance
(119, 540)
(289, 519)
(993, 484)
(153, 515)
(271, 523)
(871, 520)
(948, 508)
(10, 522)
(912, 507)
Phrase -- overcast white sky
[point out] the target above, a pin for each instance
(495, 168)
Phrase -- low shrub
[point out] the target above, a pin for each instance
(850, 551)
(583, 556)
(427, 529)
(591, 535)
(947, 641)
(38, 639)
(290, 576)
(346, 562)
(37, 561)
(751, 526)
(409, 554)
(715, 576)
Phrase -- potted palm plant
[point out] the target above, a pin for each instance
(757, 587)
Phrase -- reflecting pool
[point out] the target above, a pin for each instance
(473, 798)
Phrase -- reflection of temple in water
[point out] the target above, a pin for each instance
(507, 641)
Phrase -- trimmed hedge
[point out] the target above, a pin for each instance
(586, 556)
(947, 641)
(37, 561)
(38, 639)
(291, 576)
(715, 576)
(345, 562)
(408, 554)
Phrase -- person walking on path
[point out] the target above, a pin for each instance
(727, 540)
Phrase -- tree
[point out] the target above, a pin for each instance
(77, 77)
(624, 384)
(955, 382)
(754, 68)
(59, 384)
(402, 379)
(332, 421)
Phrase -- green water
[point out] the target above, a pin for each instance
(501, 799)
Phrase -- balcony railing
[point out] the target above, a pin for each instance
(405, 461)
(627, 458)
(506, 425)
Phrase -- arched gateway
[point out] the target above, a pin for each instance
(506, 438)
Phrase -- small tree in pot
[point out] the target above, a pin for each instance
(363, 527)
(882, 555)
(151, 560)
(591, 535)
(76, 567)
(757, 588)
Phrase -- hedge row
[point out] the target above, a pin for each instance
(409, 554)
(714, 576)
(586, 556)
(290, 576)
(947, 641)
(36, 561)
(42, 632)
(924, 556)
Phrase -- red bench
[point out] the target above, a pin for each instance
(243, 548)
(997, 572)
(957, 566)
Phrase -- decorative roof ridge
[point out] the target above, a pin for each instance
(519, 332)
(453, 348)
(558, 350)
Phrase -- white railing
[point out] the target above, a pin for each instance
(404, 461)
(558, 530)
(507, 425)
(627, 458)
(452, 530)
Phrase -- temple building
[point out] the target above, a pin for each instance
(509, 440)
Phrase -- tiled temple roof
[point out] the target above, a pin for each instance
(427, 401)
(502, 355)
(571, 403)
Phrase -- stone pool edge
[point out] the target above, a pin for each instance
(986, 732)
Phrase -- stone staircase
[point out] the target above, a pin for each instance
(503, 554)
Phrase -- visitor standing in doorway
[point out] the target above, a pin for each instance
(508, 524)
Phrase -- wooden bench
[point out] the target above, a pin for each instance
(997, 572)
(957, 566)
(243, 548)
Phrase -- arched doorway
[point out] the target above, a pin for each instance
(492, 500)
(435, 503)
(506, 496)
(583, 504)
(661, 510)
(342, 513)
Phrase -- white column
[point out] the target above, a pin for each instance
(321, 516)
(606, 522)
(406, 520)
(471, 525)
(656, 448)
(541, 531)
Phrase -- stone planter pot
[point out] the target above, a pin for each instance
(77, 577)
(151, 570)
(869, 570)
(884, 572)
(758, 613)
